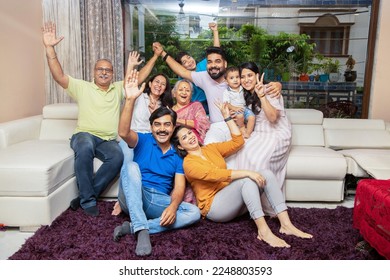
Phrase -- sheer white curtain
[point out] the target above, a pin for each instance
(66, 16)
(93, 30)
(102, 35)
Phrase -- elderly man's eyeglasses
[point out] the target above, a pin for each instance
(101, 70)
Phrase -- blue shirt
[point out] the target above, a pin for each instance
(198, 93)
(157, 169)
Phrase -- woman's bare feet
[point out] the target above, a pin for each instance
(286, 227)
(292, 230)
(117, 209)
(272, 240)
(265, 234)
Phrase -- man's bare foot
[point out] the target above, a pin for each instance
(272, 240)
(292, 230)
(117, 209)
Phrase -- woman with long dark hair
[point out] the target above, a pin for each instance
(269, 144)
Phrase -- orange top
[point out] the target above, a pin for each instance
(208, 176)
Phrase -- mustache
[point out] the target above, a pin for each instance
(162, 133)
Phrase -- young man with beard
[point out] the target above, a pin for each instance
(190, 64)
(96, 132)
(152, 187)
(214, 84)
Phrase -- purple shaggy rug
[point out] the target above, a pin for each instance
(75, 236)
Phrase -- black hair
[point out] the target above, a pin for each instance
(180, 55)
(216, 50)
(166, 97)
(231, 69)
(163, 111)
(175, 141)
(252, 100)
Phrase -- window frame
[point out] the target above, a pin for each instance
(328, 25)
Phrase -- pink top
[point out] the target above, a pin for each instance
(194, 111)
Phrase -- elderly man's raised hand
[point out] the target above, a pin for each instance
(134, 58)
(131, 85)
(49, 35)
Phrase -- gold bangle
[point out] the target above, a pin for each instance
(261, 96)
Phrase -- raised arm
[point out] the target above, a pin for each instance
(270, 111)
(132, 92)
(214, 28)
(147, 69)
(173, 64)
(228, 119)
(50, 41)
(132, 63)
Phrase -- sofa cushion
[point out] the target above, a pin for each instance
(16, 131)
(59, 121)
(375, 162)
(354, 168)
(319, 163)
(304, 116)
(307, 135)
(64, 111)
(52, 129)
(351, 139)
(352, 124)
(35, 167)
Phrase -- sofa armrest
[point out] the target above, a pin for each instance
(20, 130)
(387, 126)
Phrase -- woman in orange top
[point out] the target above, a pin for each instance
(223, 194)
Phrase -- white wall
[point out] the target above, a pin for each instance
(21, 55)
(380, 90)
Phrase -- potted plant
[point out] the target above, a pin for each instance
(349, 74)
(289, 51)
(332, 68)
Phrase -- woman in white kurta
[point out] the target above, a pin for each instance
(269, 144)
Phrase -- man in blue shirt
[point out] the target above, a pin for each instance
(152, 187)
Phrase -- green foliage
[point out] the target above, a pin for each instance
(249, 43)
(331, 65)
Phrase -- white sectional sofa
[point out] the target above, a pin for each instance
(37, 180)
(314, 172)
(364, 143)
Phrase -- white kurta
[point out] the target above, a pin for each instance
(141, 114)
(267, 147)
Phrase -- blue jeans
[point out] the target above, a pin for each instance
(86, 147)
(145, 205)
(128, 153)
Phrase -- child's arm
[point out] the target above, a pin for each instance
(235, 108)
